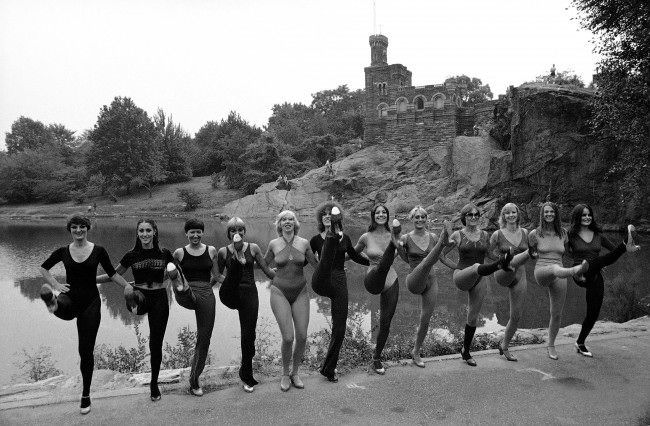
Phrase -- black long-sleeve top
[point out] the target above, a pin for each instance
(345, 246)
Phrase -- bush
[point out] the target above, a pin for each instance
(38, 365)
(190, 197)
(122, 359)
(78, 196)
(215, 180)
(179, 356)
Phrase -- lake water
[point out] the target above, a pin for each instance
(26, 324)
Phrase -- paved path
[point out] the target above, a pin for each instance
(611, 388)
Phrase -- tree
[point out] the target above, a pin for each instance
(27, 134)
(622, 109)
(341, 110)
(124, 145)
(561, 78)
(173, 143)
(475, 91)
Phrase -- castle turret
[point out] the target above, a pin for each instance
(378, 50)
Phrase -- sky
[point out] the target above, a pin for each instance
(61, 61)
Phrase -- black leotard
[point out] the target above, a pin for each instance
(344, 246)
(197, 268)
(147, 265)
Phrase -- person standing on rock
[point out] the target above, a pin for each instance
(379, 245)
(586, 241)
(193, 290)
(420, 281)
(289, 296)
(238, 291)
(511, 238)
(78, 296)
(547, 243)
(473, 245)
(329, 279)
(148, 294)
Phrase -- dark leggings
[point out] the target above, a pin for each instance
(332, 283)
(199, 298)
(595, 289)
(387, 306)
(155, 303)
(248, 308)
(88, 321)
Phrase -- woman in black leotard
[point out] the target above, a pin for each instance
(148, 295)
(199, 273)
(78, 296)
(586, 241)
(379, 244)
(238, 291)
(289, 296)
(472, 244)
(420, 281)
(329, 280)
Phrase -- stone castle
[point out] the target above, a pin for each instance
(398, 112)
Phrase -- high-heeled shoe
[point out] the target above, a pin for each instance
(506, 353)
(334, 378)
(47, 295)
(84, 406)
(583, 350)
(467, 357)
(551, 352)
(417, 360)
(378, 367)
(285, 383)
(296, 381)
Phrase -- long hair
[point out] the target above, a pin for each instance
(373, 223)
(557, 223)
(576, 218)
(327, 206)
(138, 243)
(282, 215)
(502, 216)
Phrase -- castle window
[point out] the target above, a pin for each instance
(439, 101)
(382, 110)
(401, 104)
(419, 103)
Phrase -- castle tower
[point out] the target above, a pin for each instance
(378, 50)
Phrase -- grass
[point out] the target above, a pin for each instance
(163, 203)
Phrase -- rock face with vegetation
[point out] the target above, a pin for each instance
(541, 146)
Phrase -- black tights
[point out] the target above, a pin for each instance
(595, 289)
(332, 283)
(199, 298)
(248, 307)
(156, 304)
(387, 306)
(88, 321)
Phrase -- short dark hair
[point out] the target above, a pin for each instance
(320, 212)
(77, 219)
(194, 223)
(467, 208)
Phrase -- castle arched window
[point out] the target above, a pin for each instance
(438, 101)
(382, 110)
(419, 102)
(401, 105)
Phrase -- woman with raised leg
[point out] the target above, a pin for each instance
(586, 241)
(289, 296)
(547, 242)
(193, 291)
(420, 281)
(511, 238)
(329, 280)
(472, 244)
(379, 245)
(148, 294)
(238, 291)
(78, 297)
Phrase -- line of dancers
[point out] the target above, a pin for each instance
(194, 269)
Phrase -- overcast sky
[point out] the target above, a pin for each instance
(61, 60)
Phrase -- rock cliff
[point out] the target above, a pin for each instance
(547, 150)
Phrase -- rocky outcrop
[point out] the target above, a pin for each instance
(547, 150)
